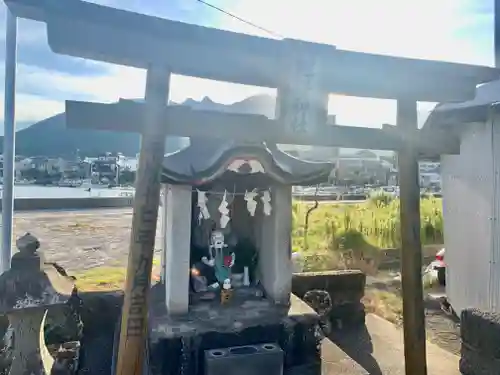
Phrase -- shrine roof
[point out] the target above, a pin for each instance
(82, 29)
(474, 110)
(204, 161)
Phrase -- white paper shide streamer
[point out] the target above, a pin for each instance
(251, 202)
(266, 201)
(224, 212)
(202, 204)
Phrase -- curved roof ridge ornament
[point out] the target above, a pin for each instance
(203, 162)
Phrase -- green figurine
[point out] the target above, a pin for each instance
(220, 258)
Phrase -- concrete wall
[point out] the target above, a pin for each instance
(33, 204)
(470, 201)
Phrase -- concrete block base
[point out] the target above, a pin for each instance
(480, 333)
(345, 289)
(177, 349)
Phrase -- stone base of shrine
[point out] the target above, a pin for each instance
(178, 344)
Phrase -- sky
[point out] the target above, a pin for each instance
(450, 30)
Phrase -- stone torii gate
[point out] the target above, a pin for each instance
(304, 74)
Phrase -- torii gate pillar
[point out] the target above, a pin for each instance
(411, 245)
(145, 216)
(302, 107)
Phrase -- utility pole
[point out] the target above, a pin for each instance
(9, 140)
(496, 34)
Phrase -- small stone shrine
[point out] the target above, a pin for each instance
(227, 269)
(232, 204)
(27, 291)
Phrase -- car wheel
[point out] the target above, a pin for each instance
(442, 276)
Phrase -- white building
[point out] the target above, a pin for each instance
(471, 199)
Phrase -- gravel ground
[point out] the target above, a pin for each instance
(79, 240)
(442, 328)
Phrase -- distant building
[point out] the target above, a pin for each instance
(50, 166)
(106, 167)
(361, 171)
(430, 174)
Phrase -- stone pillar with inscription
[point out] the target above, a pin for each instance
(302, 104)
(302, 107)
(177, 247)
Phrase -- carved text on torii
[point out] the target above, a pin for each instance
(303, 106)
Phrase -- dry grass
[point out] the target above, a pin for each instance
(386, 304)
(79, 227)
(370, 224)
(107, 278)
(347, 236)
(101, 278)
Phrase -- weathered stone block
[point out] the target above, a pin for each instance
(473, 363)
(344, 286)
(347, 315)
(481, 331)
(184, 355)
(99, 310)
(100, 313)
(177, 347)
(66, 358)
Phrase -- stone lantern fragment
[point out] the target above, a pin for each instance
(27, 291)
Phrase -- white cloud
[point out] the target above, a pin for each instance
(125, 82)
(32, 108)
(121, 82)
(423, 29)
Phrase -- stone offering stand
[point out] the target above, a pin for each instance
(27, 292)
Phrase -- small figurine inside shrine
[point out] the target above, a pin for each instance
(236, 232)
(220, 259)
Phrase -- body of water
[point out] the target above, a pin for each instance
(33, 191)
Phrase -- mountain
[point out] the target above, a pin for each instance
(50, 137)
(20, 125)
(257, 104)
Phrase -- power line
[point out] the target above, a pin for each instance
(240, 19)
